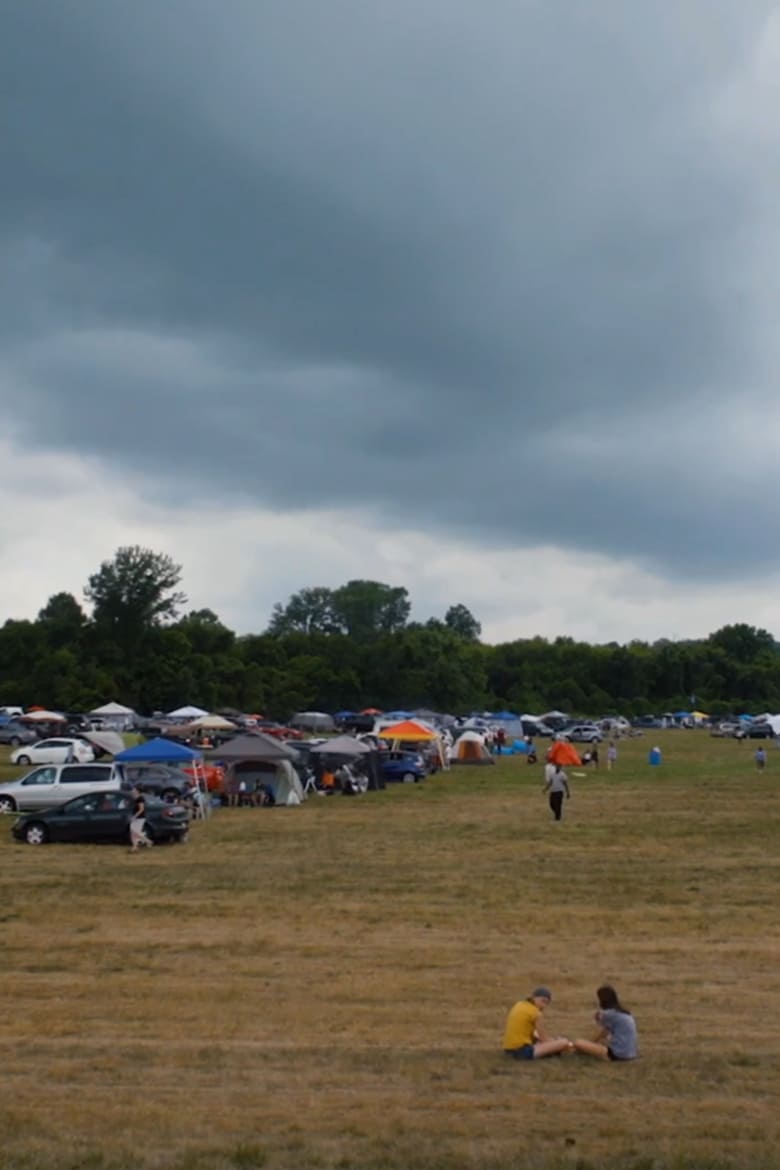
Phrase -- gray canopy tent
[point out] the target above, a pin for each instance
(346, 747)
(249, 757)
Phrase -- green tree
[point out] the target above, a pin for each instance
(62, 621)
(134, 593)
(462, 622)
(364, 609)
(307, 612)
(744, 643)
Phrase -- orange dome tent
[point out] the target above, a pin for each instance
(563, 753)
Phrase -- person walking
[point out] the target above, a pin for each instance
(760, 758)
(612, 755)
(138, 834)
(525, 1037)
(616, 1038)
(557, 784)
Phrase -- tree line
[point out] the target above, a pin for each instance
(342, 649)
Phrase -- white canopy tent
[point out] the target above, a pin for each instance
(187, 713)
(115, 716)
(112, 709)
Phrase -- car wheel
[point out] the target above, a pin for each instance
(23, 760)
(36, 834)
(7, 804)
(409, 778)
(15, 741)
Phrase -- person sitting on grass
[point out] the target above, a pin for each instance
(524, 1036)
(616, 1038)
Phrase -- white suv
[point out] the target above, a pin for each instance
(53, 784)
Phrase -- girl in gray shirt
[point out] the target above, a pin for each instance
(616, 1038)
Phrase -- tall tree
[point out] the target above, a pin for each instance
(462, 622)
(308, 612)
(62, 621)
(364, 609)
(134, 593)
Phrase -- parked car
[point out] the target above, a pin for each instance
(55, 784)
(536, 728)
(278, 730)
(75, 723)
(727, 729)
(16, 734)
(161, 780)
(54, 751)
(407, 767)
(101, 816)
(756, 731)
(583, 733)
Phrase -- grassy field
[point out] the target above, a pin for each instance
(327, 986)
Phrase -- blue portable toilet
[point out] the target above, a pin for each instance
(655, 757)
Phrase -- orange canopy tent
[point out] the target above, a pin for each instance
(562, 753)
(411, 732)
(408, 730)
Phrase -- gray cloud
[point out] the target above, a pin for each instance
(481, 268)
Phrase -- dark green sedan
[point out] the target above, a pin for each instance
(101, 816)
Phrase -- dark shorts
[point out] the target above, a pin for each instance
(524, 1053)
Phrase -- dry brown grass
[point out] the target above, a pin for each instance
(327, 986)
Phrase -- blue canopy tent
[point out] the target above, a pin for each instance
(504, 716)
(166, 751)
(158, 751)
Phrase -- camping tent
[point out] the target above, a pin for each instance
(265, 760)
(165, 751)
(257, 746)
(158, 751)
(107, 741)
(563, 753)
(313, 721)
(409, 731)
(469, 748)
(342, 745)
(112, 709)
(115, 716)
(213, 723)
(187, 713)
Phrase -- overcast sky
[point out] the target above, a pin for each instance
(479, 299)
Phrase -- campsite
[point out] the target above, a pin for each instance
(326, 985)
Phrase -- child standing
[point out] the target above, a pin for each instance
(611, 755)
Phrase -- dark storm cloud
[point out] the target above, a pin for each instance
(475, 267)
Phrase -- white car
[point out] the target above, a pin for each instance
(54, 751)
